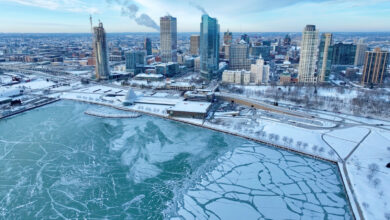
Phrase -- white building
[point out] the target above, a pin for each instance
(241, 77)
(308, 58)
(259, 72)
(361, 49)
(168, 39)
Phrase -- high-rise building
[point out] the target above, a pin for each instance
(209, 46)
(325, 57)
(308, 58)
(344, 54)
(194, 45)
(101, 52)
(239, 56)
(375, 65)
(148, 46)
(361, 49)
(168, 39)
(135, 59)
(227, 38)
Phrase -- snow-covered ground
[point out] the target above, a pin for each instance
(369, 175)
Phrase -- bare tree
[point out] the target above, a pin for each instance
(372, 170)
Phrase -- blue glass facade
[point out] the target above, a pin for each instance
(209, 47)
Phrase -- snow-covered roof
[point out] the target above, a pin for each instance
(196, 107)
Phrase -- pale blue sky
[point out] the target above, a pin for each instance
(53, 16)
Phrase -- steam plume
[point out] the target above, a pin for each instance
(128, 8)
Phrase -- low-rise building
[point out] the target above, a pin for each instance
(241, 77)
(196, 110)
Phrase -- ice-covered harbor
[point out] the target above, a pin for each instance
(69, 165)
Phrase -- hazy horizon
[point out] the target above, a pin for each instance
(132, 16)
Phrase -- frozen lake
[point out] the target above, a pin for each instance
(58, 163)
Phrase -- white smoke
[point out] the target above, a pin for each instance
(200, 8)
(128, 8)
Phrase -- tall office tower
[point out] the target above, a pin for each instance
(209, 46)
(168, 39)
(239, 56)
(100, 50)
(308, 58)
(344, 54)
(245, 38)
(194, 45)
(227, 38)
(361, 49)
(325, 57)
(148, 46)
(375, 64)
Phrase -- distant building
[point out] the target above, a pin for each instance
(149, 77)
(209, 47)
(285, 78)
(239, 56)
(361, 49)
(227, 38)
(101, 53)
(167, 69)
(197, 64)
(240, 77)
(308, 58)
(287, 40)
(168, 39)
(325, 57)
(259, 72)
(148, 46)
(245, 38)
(194, 45)
(264, 51)
(375, 66)
(135, 59)
(344, 54)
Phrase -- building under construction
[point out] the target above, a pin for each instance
(100, 52)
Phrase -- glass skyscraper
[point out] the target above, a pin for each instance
(344, 54)
(209, 46)
(148, 46)
(325, 57)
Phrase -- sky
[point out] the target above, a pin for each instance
(72, 16)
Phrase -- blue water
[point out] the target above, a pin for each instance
(58, 163)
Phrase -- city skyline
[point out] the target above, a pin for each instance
(72, 16)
